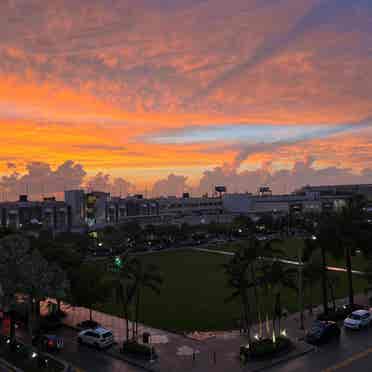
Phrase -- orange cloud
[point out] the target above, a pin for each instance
(89, 83)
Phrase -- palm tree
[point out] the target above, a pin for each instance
(14, 253)
(37, 279)
(237, 271)
(275, 277)
(89, 288)
(312, 273)
(344, 232)
(311, 268)
(243, 276)
(59, 285)
(144, 276)
(124, 291)
(325, 239)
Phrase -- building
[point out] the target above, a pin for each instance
(135, 208)
(75, 199)
(338, 190)
(188, 206)
(258, 204)
(48, 214)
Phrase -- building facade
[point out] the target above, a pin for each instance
(47, 214)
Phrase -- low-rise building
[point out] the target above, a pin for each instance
(48, 214)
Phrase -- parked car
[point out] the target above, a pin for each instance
(341, 313)
(48, 342)
(358, 319)
(98, 337)
(322, 332)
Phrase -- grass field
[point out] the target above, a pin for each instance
(194, 290)
(290, 248)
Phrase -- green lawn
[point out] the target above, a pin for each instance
(194, 290)
(290, 250)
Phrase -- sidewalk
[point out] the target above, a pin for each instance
(209, 351)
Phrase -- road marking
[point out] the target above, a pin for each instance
(349, 361)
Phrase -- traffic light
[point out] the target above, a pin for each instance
(118, 262)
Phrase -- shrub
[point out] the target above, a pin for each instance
(138, 350)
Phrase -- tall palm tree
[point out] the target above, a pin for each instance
(122, 283)
(344, 232)
(311, 268)
(354, 235)
(59, 285)
(243, 277)
(144, 276)
(276, 276)
(312, 274)
(238, 279)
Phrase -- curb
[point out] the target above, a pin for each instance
(285, 360)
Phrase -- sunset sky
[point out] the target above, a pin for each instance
(208, 91)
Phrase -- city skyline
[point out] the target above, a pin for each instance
(169, 96)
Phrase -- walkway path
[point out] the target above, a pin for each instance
(283, 260)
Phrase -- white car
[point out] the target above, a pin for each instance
(99, 337)
(358, 319)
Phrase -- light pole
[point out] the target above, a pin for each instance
(300, 286)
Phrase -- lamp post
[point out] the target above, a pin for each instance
(300, 286)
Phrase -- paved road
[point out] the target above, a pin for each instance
(87, 358)
(352, 353)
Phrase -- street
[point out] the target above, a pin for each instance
(87, 358)
(353, 352)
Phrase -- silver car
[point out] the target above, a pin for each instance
(98, 337)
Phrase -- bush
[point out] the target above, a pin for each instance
(138, 350)
(266, 348)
